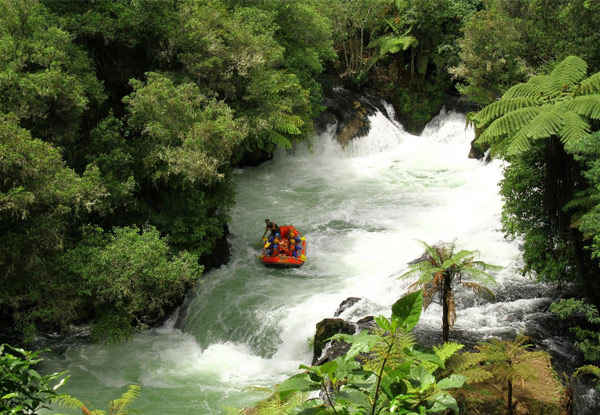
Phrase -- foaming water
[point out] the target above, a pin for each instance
(363, 209)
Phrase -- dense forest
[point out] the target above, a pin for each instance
(122, 121)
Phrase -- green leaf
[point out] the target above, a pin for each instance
(352, 396)
(420, 377)
(297, 383)
(407, 310)
(384, 323)
(10, 395)
(451, 382)
(309, 407)
(446, 401)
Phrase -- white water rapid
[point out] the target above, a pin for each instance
(362, 210)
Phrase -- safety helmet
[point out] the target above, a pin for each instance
(291, 234)
(276, 234)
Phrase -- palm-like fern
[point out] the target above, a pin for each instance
(441, 269)
(274, 404)
(508, 361)
(559, 104)
(389, 351)
(117, 407)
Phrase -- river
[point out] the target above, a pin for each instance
(363, 210)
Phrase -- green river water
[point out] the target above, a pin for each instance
(362, 210)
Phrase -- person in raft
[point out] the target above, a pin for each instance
(272, 245)
(292, 247)
(271, 226)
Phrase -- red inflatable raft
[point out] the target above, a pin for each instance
(281, 257)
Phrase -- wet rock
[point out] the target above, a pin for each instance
(585, 397)
(323, 350)
(348, 110)
(366, 323)
(346, 304)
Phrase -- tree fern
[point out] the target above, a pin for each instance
(574, 128)
(587, 106)
(509, 124)
(499, 108)
(440, 269)
(590, 85)
(555, 105)
(569, 72)
(531, 89)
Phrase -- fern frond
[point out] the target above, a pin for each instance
(480, 275)
(119, 406)
(519, 142)
(389, 350)
(67, 401)
(501, 107)
(586, 105)
(289, 124)
(547, 123)
(587, 370)
(429, 293)
(447, 350)
(476, 375)
(569, 72)
(459, 363)
(509, 124)
(392, 44)
(432, 252)
(574, 128)
(530, 89)
(478, 289)
(589, 85)
(274, 405)
(462, 254)
(279, 140)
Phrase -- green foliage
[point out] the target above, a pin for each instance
(588, 341)
(39, 199)
(547, 250)
(131, 277)
(543, 107)
(184, 133)
(507, 42)
(383, 372)
(488, 71)
(509, 361)
(23, 390)
(586, 205)
(118, 406)
(45, 79)
(238, 55)
(442, 269)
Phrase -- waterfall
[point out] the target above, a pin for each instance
(363, 209)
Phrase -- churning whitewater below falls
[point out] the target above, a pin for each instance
(363, 209)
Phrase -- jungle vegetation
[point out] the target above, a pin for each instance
(121, 123)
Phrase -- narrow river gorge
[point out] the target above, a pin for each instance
(363, 209)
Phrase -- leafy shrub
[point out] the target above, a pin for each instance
(22, 389)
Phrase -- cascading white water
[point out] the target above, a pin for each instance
(363, 210)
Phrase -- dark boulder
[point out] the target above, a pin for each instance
(348, 110)
(346, 304)
(325, 329)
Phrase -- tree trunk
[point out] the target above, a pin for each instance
(445, 310)
(509, 406)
